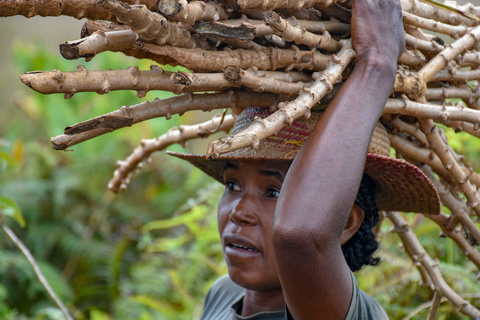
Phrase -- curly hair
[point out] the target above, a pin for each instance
(359, 249)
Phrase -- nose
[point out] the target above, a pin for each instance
(243, 213)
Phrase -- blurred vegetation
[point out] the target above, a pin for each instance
(96, 249)
(153, 251)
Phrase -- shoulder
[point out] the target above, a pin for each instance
(363, 306)
(220, 298)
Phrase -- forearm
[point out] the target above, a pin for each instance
(327, 171)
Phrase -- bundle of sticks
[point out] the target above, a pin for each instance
(289, 56)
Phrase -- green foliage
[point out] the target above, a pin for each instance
(89, 242)
(153, 251)
(10, 208)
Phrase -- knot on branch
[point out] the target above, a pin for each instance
(411, 85)
(232, 73)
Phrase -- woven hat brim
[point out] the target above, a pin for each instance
(400, 186)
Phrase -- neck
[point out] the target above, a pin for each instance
(262, 301)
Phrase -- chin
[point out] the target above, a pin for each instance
(256, 281)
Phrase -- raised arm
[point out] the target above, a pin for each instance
(321, 185)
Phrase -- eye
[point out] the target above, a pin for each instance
(232, 186)
(272, 193)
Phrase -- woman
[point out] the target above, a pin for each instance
(284, 249)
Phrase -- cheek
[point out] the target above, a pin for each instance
(269, 210)
(223, 212)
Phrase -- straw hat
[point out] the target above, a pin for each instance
(400, 186)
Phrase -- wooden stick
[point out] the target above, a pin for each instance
(151, 26)
(419, 255)
(410, 151)
(463, 126)
(433, 25)
(469, 58)
(287, 112)
(463, 92)
(123, 173)
(456, 75)
(449, 53)
(459, 213)
(439, 147)
(300, 35)
(38, 272)
(53, 8)
(431, 111)
(425, 46)
(408, 128)
(275, 4)
(425, 10)
(189, 12)
(270, 59)
(259, 84)
(435, 304)
(101, 82)
(99, 42)
(412, 60)
(129, 115)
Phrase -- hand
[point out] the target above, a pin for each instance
(377, 30)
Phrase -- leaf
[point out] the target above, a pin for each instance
(195, 214)
(10, 208)
(6, 157)
(96, 314)
(164, 308)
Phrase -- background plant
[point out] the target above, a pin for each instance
(89, 243)
(152, 252)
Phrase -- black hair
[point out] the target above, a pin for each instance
(358, 250)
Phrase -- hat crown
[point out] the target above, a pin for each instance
(288, 141)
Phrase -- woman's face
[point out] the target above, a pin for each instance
(245, 220)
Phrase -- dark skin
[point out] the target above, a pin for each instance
(286, 247)
(245, 217)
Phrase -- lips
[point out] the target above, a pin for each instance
(241, 247)
(236, 242)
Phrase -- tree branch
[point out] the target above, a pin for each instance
(122, 175)
(457, 173)
(430, 46)
(420, 258)
(287, 112)
(275, 4)
(431, 111)
(414, 153)
(52, 8)
(299, 34)
(425, 10)
(449, 53)
(259, 84)
(201, 82)
(261, 29)
(269, 59)
(459, 214)
(189, 12)
(129, 115)
(99, 42)
(101, 82)
(151, 26)
(435, 26)
(19, 244)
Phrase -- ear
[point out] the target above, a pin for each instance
(354, 222)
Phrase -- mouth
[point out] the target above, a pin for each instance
(237, 246)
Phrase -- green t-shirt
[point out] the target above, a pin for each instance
(224, 302)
